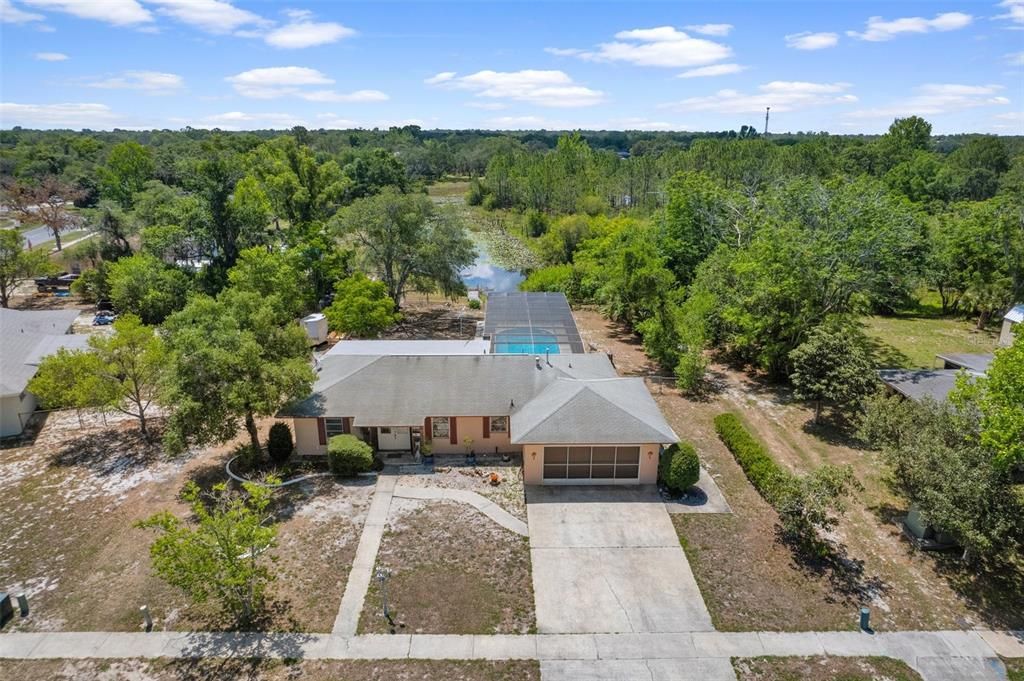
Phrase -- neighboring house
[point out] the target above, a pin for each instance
(570, 416)
(936, 384)
(26, 337)
(1011, 325)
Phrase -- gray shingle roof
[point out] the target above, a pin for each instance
(610, 410)
(26, 336)
(564, 399)
(974, 362)
(925, 383)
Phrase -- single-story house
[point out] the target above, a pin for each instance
(1011, 325)
(26, 337)
(569, 415)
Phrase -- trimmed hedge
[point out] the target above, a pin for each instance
(679, 467)
(347, 455)
(767, 477)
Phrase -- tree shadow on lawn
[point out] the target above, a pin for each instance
(835, 428)
(996, 593)
(846, 575)
(238, 655)
(885, 356)
(113, 451)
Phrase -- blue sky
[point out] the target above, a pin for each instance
(837, 66)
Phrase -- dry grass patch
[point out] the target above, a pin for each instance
(270, 670)
(453, 571)
(68, 537)
(823, 669)
(509, 494)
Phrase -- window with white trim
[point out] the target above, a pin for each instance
(333, 426)
(439, 426)
(499, 424)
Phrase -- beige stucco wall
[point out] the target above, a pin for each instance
(15, 410)
(533, 464)
(473, 426)
(307, 438)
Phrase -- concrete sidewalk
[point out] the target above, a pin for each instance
(347, 621)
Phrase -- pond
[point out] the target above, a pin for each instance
(486, 275)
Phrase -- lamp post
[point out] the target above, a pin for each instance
(382, 577)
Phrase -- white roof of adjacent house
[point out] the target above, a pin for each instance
(567, 397)
(1016, 314)
(609, 410)
(26, 336)
(477, 346)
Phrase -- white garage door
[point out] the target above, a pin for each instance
(591, 464)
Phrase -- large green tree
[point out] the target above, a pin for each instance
(832, 366)
(361, 307)
(272, 272)
(146, 287)
(232, 359)
(399, 236)
(129, 165)
(17, 263)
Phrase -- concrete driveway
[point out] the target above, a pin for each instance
(608, 560)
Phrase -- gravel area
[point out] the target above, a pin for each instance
(509, 493)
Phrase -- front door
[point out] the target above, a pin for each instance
(394, 438)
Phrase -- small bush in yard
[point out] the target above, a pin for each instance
(679, 467)
(248, 457)
(279, 442)
(347, 455)
(474, 304)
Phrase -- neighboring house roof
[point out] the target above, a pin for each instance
(477, 346)
(610, 410)
(925, 383)
(978, 363)
(26, 337)
(1016, 314)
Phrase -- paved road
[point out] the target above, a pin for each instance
(608, 560)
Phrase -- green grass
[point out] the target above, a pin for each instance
(911, 341)
(1014, 668)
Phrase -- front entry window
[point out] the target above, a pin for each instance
(439, 426)
(499, 424)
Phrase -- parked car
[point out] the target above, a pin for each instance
(104, 318)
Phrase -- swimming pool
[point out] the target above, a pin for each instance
(523, 342)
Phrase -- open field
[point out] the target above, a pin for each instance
(270, 670)
(749, 579)
(908, 341)
(67, 535)
(823, 669)
(453, 571)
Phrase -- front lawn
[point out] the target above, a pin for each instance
(214, 669)
(909, 341)
(822, 669)
(68, 537)
(453, 571)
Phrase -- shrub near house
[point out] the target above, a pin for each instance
(347, 455)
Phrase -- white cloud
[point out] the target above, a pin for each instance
(359, 96)
(710, 29)
(543, 88)
(212, 16)
(292, 81)
(713, 70)
(779, 95)
(116, 12)
(638, 123)
(879, 30)
(9, 14)
(440, 78)
(77, 116)
(1014, 11)
(1014, 58)
(564, 51)
(240, 120)
(302, 31)
(51, 56)
(276, 81)
(812, 41)
(663, 46)
(937, 98)
(521, 123)
(149, 82)
(1011, 116)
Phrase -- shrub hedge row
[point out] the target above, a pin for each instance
(767, 477)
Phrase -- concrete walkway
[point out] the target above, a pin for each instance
(464, 496)
(347, 621)
(937, 655)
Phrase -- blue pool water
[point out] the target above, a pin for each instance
(519, 343)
